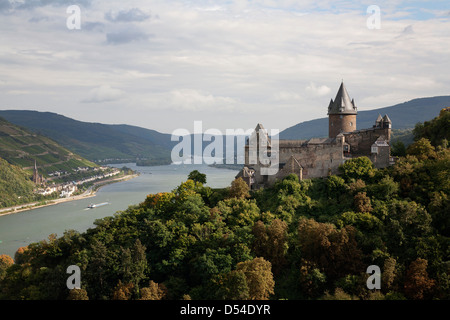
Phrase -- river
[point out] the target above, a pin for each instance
(22, 228)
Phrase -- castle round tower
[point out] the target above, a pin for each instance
(341, 113)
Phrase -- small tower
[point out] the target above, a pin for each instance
(259, 135)
(378, 121)
(387, 123)
(341, 113)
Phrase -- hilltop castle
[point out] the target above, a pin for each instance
(319, 157)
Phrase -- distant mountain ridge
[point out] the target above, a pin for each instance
(122, 143)
(96, 141)
(403, 116)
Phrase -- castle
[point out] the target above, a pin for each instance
(319, 157)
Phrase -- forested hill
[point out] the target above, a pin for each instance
(21, 147)
(404, 116)
(96, 141)
(300, 239)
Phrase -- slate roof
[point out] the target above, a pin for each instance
(342, 104)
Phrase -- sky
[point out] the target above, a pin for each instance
(164, 64)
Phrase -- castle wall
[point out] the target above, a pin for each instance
(381, 159)
(317, 160)
(360, 141)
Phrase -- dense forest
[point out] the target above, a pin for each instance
(309, 239)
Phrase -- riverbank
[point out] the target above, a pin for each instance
(91, 192)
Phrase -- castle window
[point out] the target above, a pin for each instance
(374, 149)
(351, 124)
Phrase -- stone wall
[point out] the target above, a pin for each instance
(341, 123)
(361, 141)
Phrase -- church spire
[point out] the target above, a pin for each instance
(37, 179)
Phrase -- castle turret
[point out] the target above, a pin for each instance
(387, 123)
(378, 121)
(341, 113)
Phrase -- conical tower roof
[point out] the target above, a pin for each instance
(342, 104)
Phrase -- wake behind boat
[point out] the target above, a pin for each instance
(92, 206)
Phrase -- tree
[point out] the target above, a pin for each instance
(363, 221)
(239, 189)
(123, 291)
(418, 285)
(19, 255)
(239, 212)
(154, 291)
(436, 130)
(389, 274)
(212, 262)
(422, 149)
(259, 278)
(196, 176)
(78, 294)
(385, 189)
(134, 264)
(339, 294)
(406, 222)
(336, 186)
(5, 262)
(398, 149)
(98, 270)
(312, 280)
(333, 251)
(271, 242)
(232, 286)
(357, 168)
(362, 202)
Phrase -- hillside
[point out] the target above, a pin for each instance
(15, 185)
(96, 141)
(22, 148)
(404, 116)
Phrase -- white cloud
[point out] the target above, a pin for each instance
(193, 100)
(315, 90)
(104, 93)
